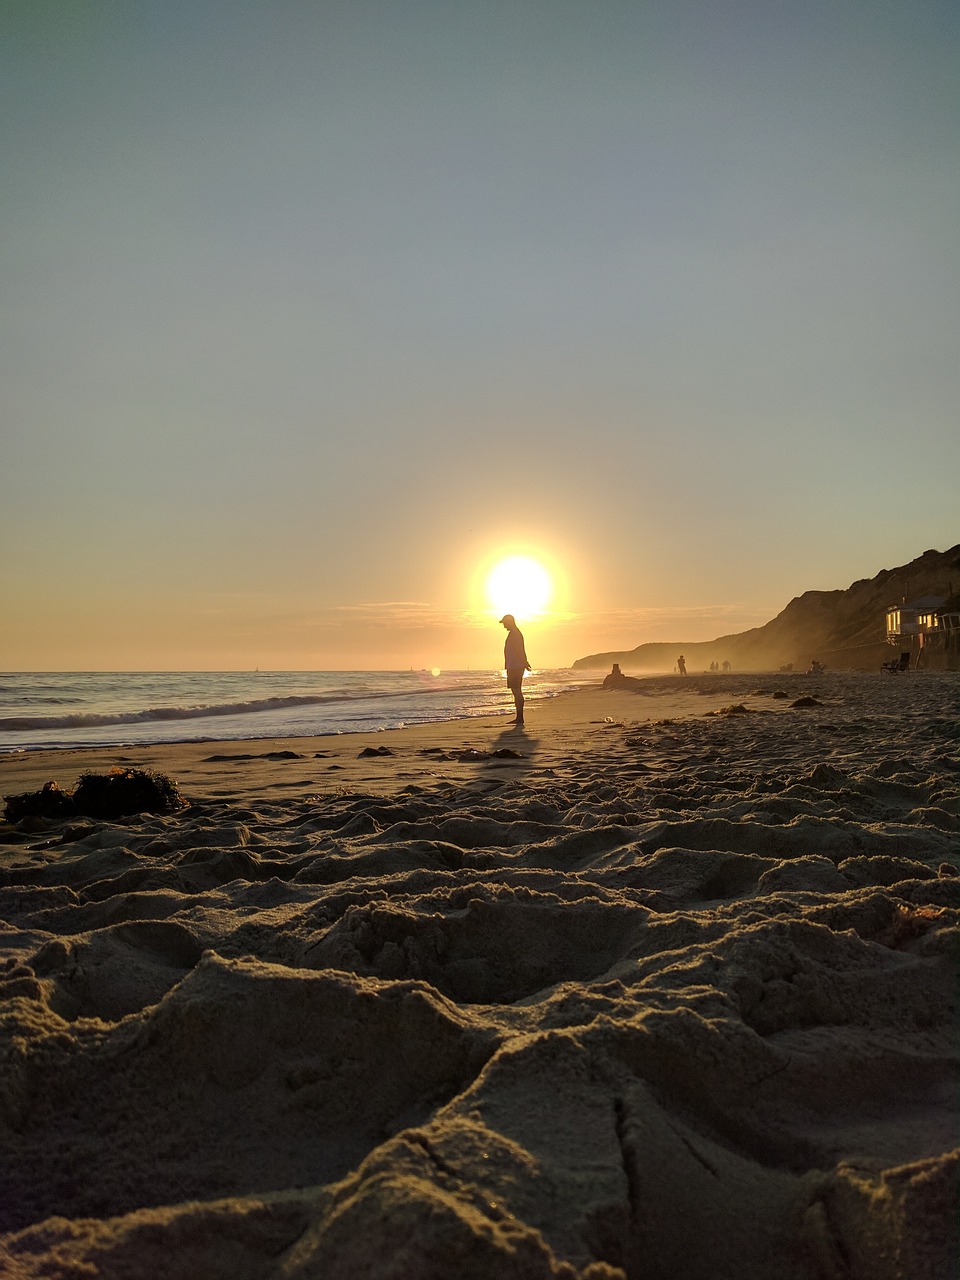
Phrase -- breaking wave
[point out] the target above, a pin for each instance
(62, 710)
(86, 720)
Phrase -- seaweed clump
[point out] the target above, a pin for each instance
(117, 794)
(122, 792)
(51, 801)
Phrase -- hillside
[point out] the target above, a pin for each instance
(841, 628)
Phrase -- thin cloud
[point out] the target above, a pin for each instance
(404, 615)
(394, 614)
(654, 615)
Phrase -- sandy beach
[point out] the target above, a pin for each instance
(663, 985)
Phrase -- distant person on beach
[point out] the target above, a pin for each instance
(515, 662)
(682, 665)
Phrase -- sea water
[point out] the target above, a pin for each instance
(83, 709)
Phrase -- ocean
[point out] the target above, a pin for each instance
(84, 709)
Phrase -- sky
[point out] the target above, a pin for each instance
(311, 312)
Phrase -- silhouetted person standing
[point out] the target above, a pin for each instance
(682, 665)
(515, 662)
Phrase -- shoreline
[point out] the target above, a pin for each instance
(146, 709)
(249, 763)
(560, 725)
(566, 716)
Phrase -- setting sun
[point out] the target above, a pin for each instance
(520, 586)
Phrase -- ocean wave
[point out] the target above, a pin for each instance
(36, 700)
(91, 719)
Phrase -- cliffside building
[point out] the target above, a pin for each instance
(928, 627)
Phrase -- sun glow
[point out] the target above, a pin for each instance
(520, 586)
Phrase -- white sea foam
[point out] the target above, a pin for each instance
(103, 708)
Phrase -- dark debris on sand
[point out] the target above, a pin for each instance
(117, 794)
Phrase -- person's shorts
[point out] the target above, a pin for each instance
(514, 677)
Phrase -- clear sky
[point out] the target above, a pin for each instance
(312, 310)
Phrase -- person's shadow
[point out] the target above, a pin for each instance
(516, 737)
(492, 771)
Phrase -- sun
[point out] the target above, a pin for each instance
(519, 585)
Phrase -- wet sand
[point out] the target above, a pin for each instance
(643, 990)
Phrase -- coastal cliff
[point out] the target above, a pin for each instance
(843, 628)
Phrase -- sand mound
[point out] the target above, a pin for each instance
(678, 1001)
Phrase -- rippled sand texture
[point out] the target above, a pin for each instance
(678, 1004)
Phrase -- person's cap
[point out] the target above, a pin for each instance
(508, 617)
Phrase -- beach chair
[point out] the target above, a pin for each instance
(897, 664)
